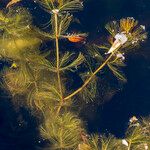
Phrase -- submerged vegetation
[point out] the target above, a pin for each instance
(39, 80)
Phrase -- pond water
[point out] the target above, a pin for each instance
(113, 115)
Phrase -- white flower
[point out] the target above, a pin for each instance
(119, 55)
(146, 146)
(124, 142)
(133, 119)
(121, 38)
(143, 27)
(55, 11)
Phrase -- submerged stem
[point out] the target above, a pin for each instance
(90, 78)
(57, 60)
(129, 146)
(57, 53)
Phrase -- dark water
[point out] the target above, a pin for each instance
(113, 115)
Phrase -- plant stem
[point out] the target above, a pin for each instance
(90, 78)
(129, 146)
(57, 53)
(57, 61)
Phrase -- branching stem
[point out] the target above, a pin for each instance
(90, 78)
(58, 69)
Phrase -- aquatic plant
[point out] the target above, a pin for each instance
(41, 78)
(137, 138)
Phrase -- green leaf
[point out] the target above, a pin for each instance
(93, 51)
(90, 91)
(71, 5)
(94, 142)
(38, 61)
(43, 95)
(138, 134)
(109, 143)
(44, 35)
(61, 5)
(112, 27)
(68, 62)
(17, 81)
(16, 22)
(115, 70)
(64, 23)
(47, 5)
(63, 131)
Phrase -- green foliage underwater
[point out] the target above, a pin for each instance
(39, 79)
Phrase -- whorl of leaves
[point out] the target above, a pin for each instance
(69, 61)
(135, 33)
(14, 47)
(16, 36)
(43, 95)
(137, 138)
(62, 131)
(138, 134)
(17, 81)
(115, 68)
(15, 22)
(61, 5)
(89, 92)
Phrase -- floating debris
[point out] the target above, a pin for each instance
(76, 39)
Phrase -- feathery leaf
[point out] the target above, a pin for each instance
(63, 131)
(61, 5)
(115, 70)
(68, 62)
